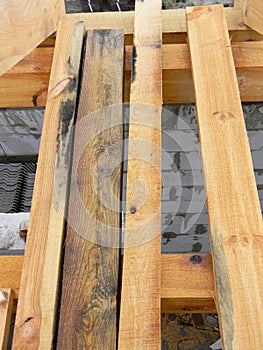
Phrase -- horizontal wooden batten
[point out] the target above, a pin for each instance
(25, 85)
(173, 21)
(187, 283)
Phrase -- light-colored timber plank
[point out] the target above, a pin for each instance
(185, 286)
(6, 307)
(141, 281)
(238, 4)
(37, 305)
(10, 272)
(232, 200)
(24, 25)
(253, 14)
(26, 84)
(88, 312)
(173, 21)
(38, 61)
(187, 283)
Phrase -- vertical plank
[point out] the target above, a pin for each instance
(253, 14)
(88, 315)
(141, 292)
(35, 325)
(234, 211)
(6, 307)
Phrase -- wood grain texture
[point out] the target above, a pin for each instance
(88, 313)
(173, 21)
(253, 14)
(24, 25)
(141, 280)
(185, 286)
(232, 200)
(187, 283)
(37, 305)
(26, 84)
(6, 307)
(10, 272)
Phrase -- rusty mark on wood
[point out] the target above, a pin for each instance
(197, 12)
(224, 116)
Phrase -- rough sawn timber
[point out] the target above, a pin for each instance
(88, 312)
(232, 200)
(37, 306)
(141, 281)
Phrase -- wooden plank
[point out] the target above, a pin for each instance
(88, 312)
(253, 14)
(25, 25)
(6, 307)
(232, 200)
(26, 84)
(238, 3)
(185, 286)
(141, 281)
(10, 272)
(37, 305)
(173, 21)
(187, 283)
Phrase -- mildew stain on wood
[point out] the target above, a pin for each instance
(134, 59)
(223, 286)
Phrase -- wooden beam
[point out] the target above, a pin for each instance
(6, 307)
(88, 311)
(26, 84)
(238, 4)
(232, 200)
(25, 25)
(140, 309)
(187, 282)
(10, 272)
(253, 14)
(37, 304)
(173, 21)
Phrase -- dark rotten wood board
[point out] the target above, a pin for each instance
(88, 315)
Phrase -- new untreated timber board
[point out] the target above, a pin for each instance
(26, 83)
(173, 21)
(88, 313)
(187, 286)
(10, 272)
(24, 25)
(6, 307)
(253, 14)
(232, 200)
(37, 305)
(141, 281)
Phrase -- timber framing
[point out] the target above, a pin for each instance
(179, 283)
(26, 84)
(186, 286)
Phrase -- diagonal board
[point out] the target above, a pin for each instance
(253, 14)
(37, 306)
(88, 314)
(24, 25)
(232, 200)
(141, 293)
(6, 308)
